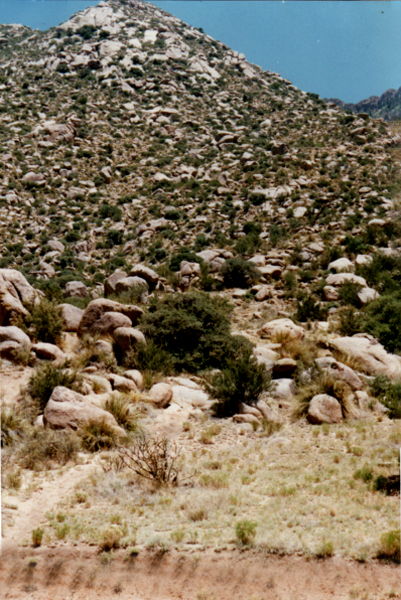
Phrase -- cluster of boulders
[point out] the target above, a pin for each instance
(112, 327)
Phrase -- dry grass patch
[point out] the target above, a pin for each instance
(301, 491)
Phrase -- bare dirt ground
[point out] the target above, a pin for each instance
(11, 380)
(77, 573)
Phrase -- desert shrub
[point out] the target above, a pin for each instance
(45, 378)
(350, 322)
(245, 532)
(46, 447)
(308, 309)
(383, 273)
(389, 485)
(183, 253)
(348, 293)
(389, 548)
(13, 425)
(110, 538)
(365, 474)
(37, 536)
(149, 357)
(241, 381)
(382, 318)
(194, 328)
(389, 394)
(237, 272)
(276, 234)
(44, 321)
(98, 435)
(152, 459)
(121, 409)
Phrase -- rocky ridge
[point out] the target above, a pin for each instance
(387, 106)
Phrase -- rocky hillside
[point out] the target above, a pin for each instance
(387, 106)
(200, 303)
(127, 135)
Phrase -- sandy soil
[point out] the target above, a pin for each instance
(12, 378)
(78, 573)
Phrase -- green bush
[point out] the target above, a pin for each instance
(237, 272)
(382, 318)
(390, 546)
(348, 293)
(389, 394)
(242, 381)
(245, 532)
(149, 357)
(45, 321)
(310, 310)
(45, 378)
(350, 322)
(194, 328)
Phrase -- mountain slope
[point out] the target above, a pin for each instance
(127, 134)
(387, 106)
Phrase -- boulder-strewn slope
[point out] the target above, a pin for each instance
(126, 134)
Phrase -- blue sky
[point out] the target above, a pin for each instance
(348, 50)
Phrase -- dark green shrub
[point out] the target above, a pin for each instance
(45, 321)
(350, 322)
(383, 273)
(348, 293)
(150, 357)
(237, 272)
(389, 394)
(114, 238)
(194, 328)
(309, 309)
(184, 253)
(45, 378)
(241, 381)
(382, 318)
(276, 234)
(109, 211)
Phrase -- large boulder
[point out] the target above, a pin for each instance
(149, 275)
(100, 307)
(15, 294)
(109, 322)
(341, 264)
(128, 337)
(340, 278)
(283, 328)
(324, 409)
(340, 371)
(67, 409)
(14, 334)
(128, 283)
(49, 352)
(161, 394)
(110, 282)
(75, 289)
(72, 316)
(369, 354)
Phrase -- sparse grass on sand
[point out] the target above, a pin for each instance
(298, 486)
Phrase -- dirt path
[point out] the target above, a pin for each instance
(30, 512)
(68, 573)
